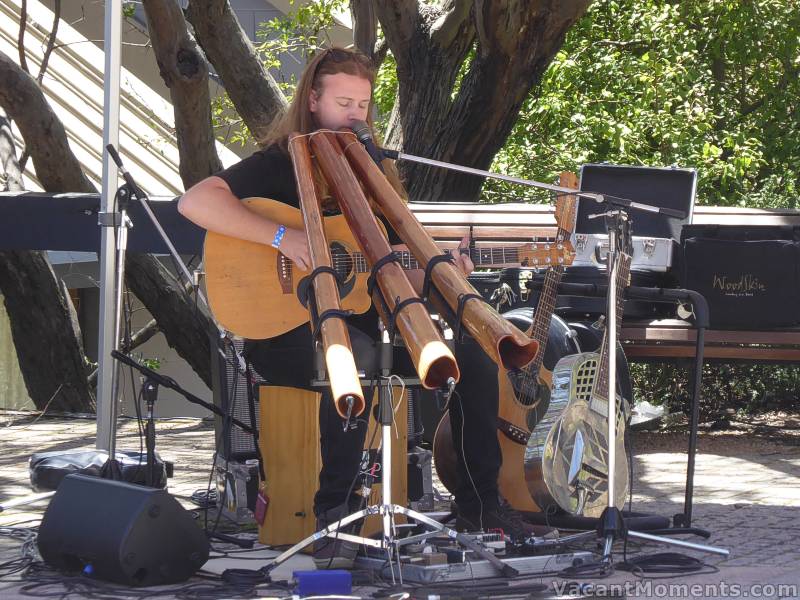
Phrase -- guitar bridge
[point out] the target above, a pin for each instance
(284, 268)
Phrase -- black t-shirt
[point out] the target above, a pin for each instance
(269, 173)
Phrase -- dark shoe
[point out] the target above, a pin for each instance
(502, 516)
(329, 552)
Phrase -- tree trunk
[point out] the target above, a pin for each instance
(44, 327)
(513, 42)
(365, 26)
(253, 91)
(59, 171)
(185, 72)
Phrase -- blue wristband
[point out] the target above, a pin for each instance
(276, 241)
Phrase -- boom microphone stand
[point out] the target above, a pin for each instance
(111, 468)
(362, 131)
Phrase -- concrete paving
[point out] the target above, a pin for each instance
(747, 495)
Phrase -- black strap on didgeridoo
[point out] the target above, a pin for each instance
(435, 260)
(398, 306)
(462, 300)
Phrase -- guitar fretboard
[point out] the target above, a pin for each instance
(620, 283)
(540, 329)
(500, 256)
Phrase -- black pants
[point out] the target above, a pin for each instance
(288, 360)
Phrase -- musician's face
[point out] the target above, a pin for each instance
(343, 100)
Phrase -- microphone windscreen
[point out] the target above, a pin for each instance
(362, 130)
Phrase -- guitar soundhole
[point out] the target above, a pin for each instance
(342, 261)
(530, 393)
(526, 388)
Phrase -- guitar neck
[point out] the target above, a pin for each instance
(497, 257)
(540, 328)
(600, 389)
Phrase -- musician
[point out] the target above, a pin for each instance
(334, 91)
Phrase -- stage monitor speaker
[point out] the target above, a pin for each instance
(120, 532)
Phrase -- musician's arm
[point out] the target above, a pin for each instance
(212, 205)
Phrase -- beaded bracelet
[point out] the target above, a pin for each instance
(276, 242)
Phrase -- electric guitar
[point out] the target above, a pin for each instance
(523, 394)
(252, 288)
(568, 452)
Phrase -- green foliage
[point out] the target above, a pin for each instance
(709, 84)
(385, 92)
(743, 388)
(297, 36)
(151, 363)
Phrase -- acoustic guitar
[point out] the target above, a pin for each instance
(252, 288)
(523, 394)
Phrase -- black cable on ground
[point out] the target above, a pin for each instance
(668, 563)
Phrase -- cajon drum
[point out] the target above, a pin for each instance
(289, 444)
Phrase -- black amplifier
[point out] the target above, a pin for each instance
(749, 274)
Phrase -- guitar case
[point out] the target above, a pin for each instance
(749, 274)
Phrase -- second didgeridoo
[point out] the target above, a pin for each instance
(334, 336)
(502, 341)
(432, 359)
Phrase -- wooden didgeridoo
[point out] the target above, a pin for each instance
(503, 342)
(348, 396)
(433, 360)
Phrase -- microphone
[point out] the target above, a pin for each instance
(364, 135)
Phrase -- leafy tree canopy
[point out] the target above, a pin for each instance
(709, 84)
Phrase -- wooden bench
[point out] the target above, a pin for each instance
(674, 339)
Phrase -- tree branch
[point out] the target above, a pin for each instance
(253, 91)
(185, 72)
(400, 21)
(56, 166)
(23, 23)
(51, 40)
(450, 24)
(365, 26)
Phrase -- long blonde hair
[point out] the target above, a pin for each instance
(299, 118)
